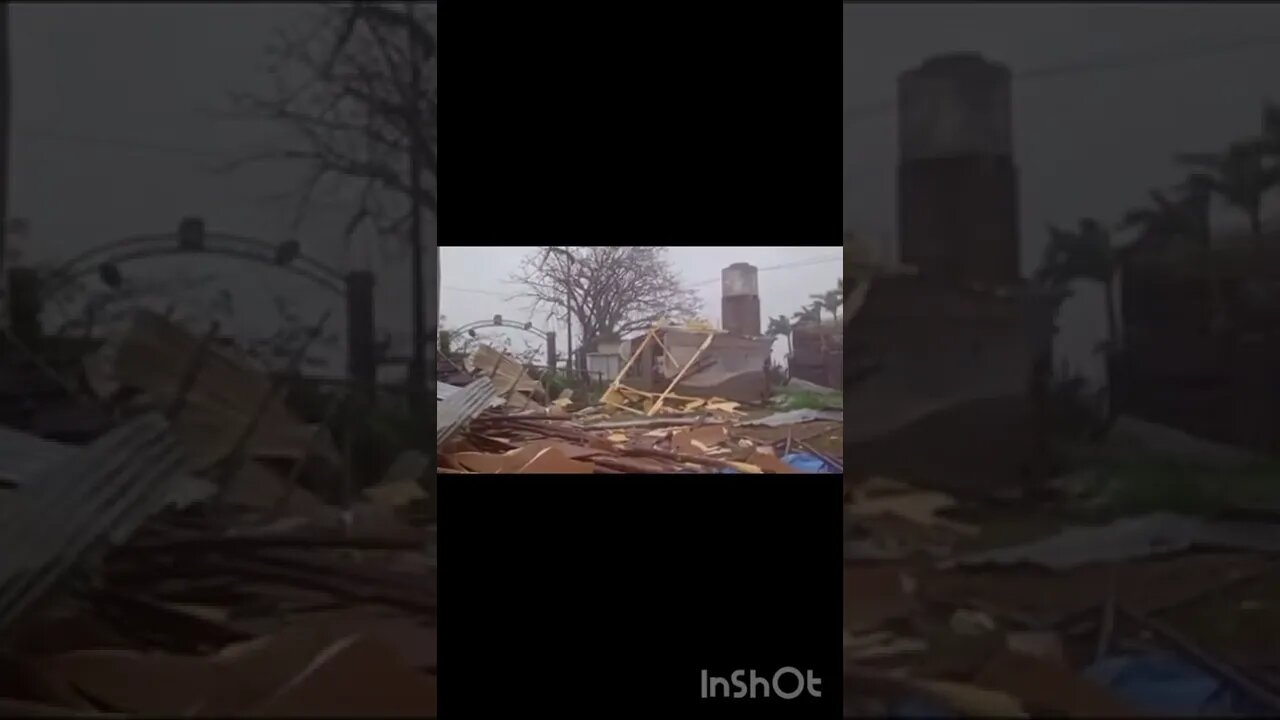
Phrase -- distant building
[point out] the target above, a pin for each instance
(818, 353)
(1211, 376)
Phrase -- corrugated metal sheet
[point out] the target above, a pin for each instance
(445, 390)
(23, 455)
(462, 407)
(1128, 539)
(100, 492)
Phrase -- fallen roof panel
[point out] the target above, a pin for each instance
(462, 407)
(103, 492)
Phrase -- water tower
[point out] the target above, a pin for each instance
(740, 299)
(957, 182)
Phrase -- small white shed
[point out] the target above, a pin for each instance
(605, 365)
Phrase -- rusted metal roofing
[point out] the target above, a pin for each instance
(100, 492)
(462, 407)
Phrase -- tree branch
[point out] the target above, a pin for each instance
(350, 111)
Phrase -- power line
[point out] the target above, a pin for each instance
(802, 263)
(480, 292)
(1089, 65)
(123, 143)
(852, 113)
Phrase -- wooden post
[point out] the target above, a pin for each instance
(705, 343)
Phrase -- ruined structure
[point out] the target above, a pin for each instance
(943, 345)
(729, 366)
(937, 384)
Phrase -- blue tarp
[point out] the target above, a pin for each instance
(1165, 684)
(804, 462)
(1159, 683)
(807, 462)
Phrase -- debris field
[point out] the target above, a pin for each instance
(183, 563)
(972, 609)
(502, 421)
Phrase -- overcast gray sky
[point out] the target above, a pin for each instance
(476, 283)
(1087, 143)
(116, 131)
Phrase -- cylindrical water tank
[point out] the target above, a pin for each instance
(953, 106)
(739, 279)
(740, 299)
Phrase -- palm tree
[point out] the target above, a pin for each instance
(844, 295)
(1196, 201)
(1156, 223)
(781, 325)
(811, 313)
(1186, 216)
(830, 301)
(1084, 254)
(1241, 176)
(1271, 126)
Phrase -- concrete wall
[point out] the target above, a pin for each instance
(935, 345)
(731, 354)
(946, 402)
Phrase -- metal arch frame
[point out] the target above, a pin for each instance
(505, 323)
(137, 247)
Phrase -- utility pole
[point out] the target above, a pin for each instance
(568, 294)
(5, 114)
(417, 362)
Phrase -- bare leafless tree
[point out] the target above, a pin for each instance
(607, 290)
(355, 86)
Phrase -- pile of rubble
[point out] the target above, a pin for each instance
(503, 422)
(184, 563)
(959, 610)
